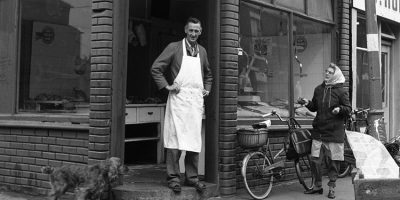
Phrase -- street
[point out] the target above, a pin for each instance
(294, 191)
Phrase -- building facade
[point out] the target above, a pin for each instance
(388, 19)
(76, 75)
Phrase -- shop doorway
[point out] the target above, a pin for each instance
(153, 24)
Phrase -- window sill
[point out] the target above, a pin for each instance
(61, 121)
(276, 123)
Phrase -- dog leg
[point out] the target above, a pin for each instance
(82, 194)
(57, 190)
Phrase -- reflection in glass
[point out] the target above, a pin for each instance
(263, 61)
(55, 55)
(313, 52)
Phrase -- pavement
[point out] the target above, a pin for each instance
(294, 191)
(288, 191)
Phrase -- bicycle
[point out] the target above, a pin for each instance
(259, 166)
(357, 121)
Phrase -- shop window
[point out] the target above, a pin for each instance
(55, 56)
(320, 8)
(362, 77)
(361, 33)
(264, 60)
(362, 83)
(313, 53)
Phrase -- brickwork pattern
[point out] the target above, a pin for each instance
(100, 80)
(344, 38)
(229, 14)
(24, 151)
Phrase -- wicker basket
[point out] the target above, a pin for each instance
(249, 138)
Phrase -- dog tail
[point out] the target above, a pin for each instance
(47, 169)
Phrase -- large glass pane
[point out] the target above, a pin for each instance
(313, 53)
(55, 56)
(320, 8)
(264, 62)
(361, 33)
(297, 5)
(362, 79)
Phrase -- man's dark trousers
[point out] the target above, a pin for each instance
(191, 166)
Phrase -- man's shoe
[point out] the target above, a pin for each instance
(200, 187)
(176, 187)
(331, 194)
(314, 191)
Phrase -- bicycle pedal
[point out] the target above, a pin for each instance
(279, 174)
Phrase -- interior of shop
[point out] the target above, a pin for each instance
(153, 24)
(55, 56)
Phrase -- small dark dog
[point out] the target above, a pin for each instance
(89, 182)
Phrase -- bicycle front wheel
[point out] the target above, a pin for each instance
(303, 171)
(257, 180)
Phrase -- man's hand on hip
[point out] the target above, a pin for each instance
(205, 93)
(173, 88)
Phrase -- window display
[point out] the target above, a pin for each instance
(55, 56)
(264, 60)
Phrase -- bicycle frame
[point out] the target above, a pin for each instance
(291, 126)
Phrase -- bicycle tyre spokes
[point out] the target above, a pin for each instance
(303, 171)
(257, 180)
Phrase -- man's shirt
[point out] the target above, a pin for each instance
(191, 50)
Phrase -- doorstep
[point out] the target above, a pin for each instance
(149, 182)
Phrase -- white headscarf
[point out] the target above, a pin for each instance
(337, 77)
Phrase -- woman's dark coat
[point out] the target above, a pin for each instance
(329, 127)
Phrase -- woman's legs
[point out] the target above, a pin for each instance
(316, 163)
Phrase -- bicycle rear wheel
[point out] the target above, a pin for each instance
(303, 171)
(257, 181)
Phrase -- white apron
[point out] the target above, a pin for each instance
(184, 110)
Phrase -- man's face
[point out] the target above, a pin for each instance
(192, 31)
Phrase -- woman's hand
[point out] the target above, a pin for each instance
(336, 110)
(302, 101)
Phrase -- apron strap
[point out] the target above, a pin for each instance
(184, 47)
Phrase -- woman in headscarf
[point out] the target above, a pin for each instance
(331, 102)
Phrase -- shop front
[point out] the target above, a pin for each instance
(388, 19)
(76, 75)
(284, 48)
(78, 85)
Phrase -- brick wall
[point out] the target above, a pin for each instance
(228, 95)
(344, 46)
(23, 151)
(100, 80)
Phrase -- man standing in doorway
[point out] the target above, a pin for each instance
(183, 70)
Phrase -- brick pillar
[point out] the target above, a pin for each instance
(344, 28)
(228, 95)
(100, 81)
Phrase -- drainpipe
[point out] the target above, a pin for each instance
(375, 98)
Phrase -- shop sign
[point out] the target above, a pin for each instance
(301, 43)
(389, 9)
